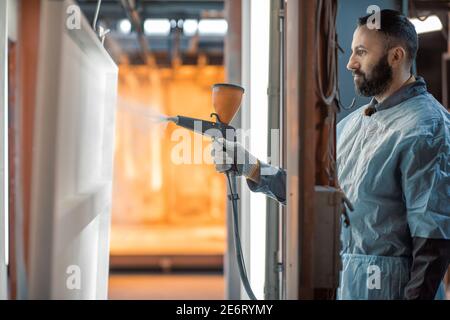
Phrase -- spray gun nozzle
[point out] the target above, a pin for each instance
(172, 119)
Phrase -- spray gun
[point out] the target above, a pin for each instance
(211, 129)
(226, 101)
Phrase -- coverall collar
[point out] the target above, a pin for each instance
(404, 93)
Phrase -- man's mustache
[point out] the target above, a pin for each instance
(358, 73)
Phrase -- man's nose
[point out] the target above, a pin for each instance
(353, 64)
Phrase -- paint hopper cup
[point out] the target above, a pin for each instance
(226, 100)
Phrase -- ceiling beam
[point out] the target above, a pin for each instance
(135, 19)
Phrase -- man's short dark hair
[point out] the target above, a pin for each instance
(398, 30)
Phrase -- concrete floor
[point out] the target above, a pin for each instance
(177, 286)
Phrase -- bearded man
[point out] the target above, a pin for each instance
(393, 162)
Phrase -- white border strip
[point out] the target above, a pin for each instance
(4, 243)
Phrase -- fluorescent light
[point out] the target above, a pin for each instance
(159, 27)
(432, 23)
(125, 26)
(190, 27)
(217, 27)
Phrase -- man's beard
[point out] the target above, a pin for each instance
(379, 80)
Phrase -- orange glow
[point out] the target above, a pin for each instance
(160, 207)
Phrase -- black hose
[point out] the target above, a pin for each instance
(237, 242)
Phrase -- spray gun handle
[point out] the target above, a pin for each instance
(228, 133)
(208, 128)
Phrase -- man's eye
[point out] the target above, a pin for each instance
(360, 52)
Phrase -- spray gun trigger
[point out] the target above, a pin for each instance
(217, 117)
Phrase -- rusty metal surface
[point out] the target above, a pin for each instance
(310, 142)
(29, 22)
(300, 150)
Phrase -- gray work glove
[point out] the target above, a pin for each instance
(226, 153)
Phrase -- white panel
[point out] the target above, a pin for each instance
(12, 20)
(73, 157)
(254, 112)
(3, 149)
(259, 81)
(245, 123)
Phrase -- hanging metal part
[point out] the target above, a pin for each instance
(133, 15)
(326, 260)
(97, 11)
(101, 32)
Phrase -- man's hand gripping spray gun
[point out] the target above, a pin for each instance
(226, 101)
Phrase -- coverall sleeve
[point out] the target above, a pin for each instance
(430, 263)
(426, 189)
(425, 170)
(272, 182)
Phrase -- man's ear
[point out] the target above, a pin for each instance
(397, 56)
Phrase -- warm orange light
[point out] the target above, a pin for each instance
(160, 207)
